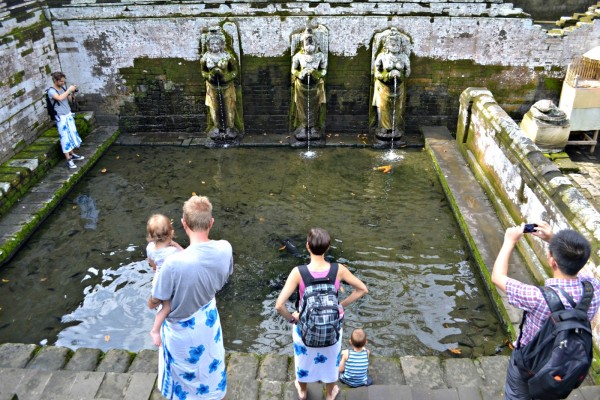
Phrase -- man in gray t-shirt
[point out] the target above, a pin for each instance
(192, 357)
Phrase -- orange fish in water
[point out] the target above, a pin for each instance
(385, 168)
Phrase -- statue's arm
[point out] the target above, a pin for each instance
(232, 69)
(296, 67)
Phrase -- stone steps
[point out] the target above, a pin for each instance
(32, 372)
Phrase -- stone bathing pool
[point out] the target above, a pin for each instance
(82, 280)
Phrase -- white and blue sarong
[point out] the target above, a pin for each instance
(67, 130)
(316, 364)
(191, 361)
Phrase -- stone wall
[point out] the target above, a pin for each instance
(523, 185)
(106, 47)
(28, 56)
(455, 45)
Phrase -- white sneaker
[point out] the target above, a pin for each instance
(76, 157)
(71, 164)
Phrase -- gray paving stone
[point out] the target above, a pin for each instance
(16, 355)
(274, 367)
(145, 361)
(115, 360)
(492, 392)
(461, 372)
(493, 370)
(140, 386)
(242, 366)
(10, 378)
(399, 392)
(33, 384)
(84, 359)
(289, 391)
(468, 393)
(49, 358)
(359, 393)
(434, 394)
(590, 392)
(423, 372)
(86, 385)
(59, 385)
(241, 389)
(270, 390)
(113, 386)
(386, 371)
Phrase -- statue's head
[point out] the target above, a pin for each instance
(393, 42)
(309, 44)
(215, 39)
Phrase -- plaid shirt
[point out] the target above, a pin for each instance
(530, 299)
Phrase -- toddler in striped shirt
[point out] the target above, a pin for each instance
(354, 363)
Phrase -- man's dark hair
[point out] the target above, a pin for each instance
(57, 76)
(571, 250)
(318, 241)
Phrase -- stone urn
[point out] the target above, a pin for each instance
(547, 126)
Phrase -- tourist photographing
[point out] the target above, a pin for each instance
(191, 362)
(568, 252)
(354, 364)
(160, 235)
(59, 96)
(316, 351)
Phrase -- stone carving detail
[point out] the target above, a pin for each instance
(547, 125)
(309, 67)
(390, 66)
(546, 111)
(220, 69)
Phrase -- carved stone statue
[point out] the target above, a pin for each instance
(547, 125)
(309, 67)
(391, 67)
(220, 71)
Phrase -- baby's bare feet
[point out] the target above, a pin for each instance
(156, 338)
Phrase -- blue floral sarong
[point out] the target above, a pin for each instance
(316, 364)
(69, 137)
(191, 361)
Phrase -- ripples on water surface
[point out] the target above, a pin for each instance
(82, 279)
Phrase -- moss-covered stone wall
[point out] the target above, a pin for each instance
(28, 57)
(168, 96)
(522, 184)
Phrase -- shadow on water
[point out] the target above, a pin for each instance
(82, 280)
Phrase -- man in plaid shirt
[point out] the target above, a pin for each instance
(568, 252)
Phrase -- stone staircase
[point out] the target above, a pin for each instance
(32, 372)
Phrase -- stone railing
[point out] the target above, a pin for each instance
(521, 182)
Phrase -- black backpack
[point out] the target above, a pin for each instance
(50, 104)
(558, 358)
(319, 320)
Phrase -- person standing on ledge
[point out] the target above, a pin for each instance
(191, 361)
(65, 123)
(568, 252)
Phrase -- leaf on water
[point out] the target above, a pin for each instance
(43, 279)
(455, 351)
(74, 207)
(117, 157)
(282, 248)
(103, 170)
(106, 338)
(5, 280)
(204, 183)
(194, 194)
